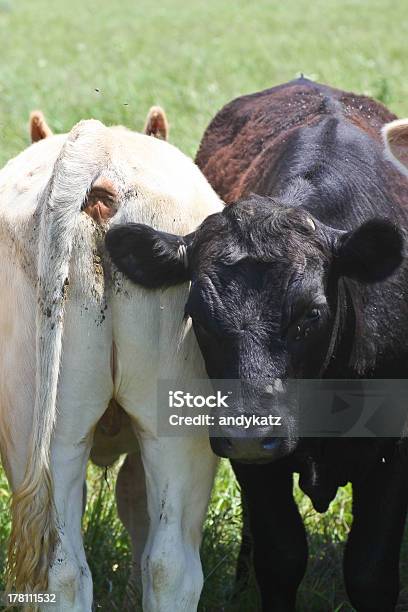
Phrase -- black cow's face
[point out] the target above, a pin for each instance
(261, 301)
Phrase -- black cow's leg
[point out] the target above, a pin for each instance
(244, 560)
(371, 559)
(278, 534)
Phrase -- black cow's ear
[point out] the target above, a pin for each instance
(148, 257)
(370, 253)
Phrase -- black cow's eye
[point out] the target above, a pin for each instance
(304, 328)
(313, 314)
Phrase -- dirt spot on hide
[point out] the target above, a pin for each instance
(159, 574)
(97, 264)
(99, 267)
(366, 114)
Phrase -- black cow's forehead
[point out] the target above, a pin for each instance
(256, 295)
(261, 229)
(257, 263)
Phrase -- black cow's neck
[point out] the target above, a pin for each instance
(334, 170)
(340, 357)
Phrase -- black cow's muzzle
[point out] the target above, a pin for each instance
(248, 450)
(258, 425)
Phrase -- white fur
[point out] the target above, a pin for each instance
(64, 386)
(386, 133)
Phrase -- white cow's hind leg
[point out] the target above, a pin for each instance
(132, 509)
(179, 477)
(85, 389)
(69, 574)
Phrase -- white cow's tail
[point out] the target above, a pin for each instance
(34, 534)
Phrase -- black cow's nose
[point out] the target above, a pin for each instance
(257, 450)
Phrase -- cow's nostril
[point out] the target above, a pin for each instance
(269, 444)
(222, 446)
(227, 443)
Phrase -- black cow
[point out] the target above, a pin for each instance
(306, 280)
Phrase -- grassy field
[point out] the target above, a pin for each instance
(112, 61)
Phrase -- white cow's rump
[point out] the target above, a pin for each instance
(76, 334)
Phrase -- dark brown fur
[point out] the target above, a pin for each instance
(244, 139)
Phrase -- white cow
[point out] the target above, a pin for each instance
(75, 335)
(113, 434)
(395, 136)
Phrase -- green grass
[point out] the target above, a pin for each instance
(192, 57)
(76, 59)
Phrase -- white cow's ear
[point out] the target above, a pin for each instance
(395, 136)
(148, 257)
(156, 123)
(38, 127)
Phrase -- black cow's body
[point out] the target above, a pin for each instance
(336, 171)
(301, 281)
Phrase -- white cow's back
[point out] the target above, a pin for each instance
(156, 185)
